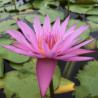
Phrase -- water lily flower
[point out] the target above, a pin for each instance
(49, 45)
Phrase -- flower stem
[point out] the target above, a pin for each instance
(66, 68)
(51, 89)
(70, 70)
(68, 7)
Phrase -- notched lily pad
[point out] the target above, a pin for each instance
(88, 78)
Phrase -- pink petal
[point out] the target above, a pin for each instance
(71, 37)
(56, 25)
(64, 50)
(64, 57)
(19, 37)
(51, 54)
(80, 45)
(63, 26)
(45, 69)
(19, 45)
(37, 26)
(69, 31)
(17, 50)
(80, 51)
(46, 25)
(79, 59)
(28, 32)
(57, 45)
(71, 28)
(45, 47)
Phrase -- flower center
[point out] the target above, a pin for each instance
(50, 40)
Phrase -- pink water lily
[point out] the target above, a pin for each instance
(49, 44)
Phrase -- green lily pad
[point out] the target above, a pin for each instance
(91, 45)
(53, 13)
(85, 34)
(30, 67)
(83, 1)
(24, 7)
(3, 15)
(88, 78)
(11, 7)
(5, 1)
(8, 25)
(30, 18)
(93, 11)
(1, 9)
(10, 55)
(20, 85)
(27, 67)
(44, 4)
(93, 26)
(24, 85)
(81, 9)
(93, 18)
(1, 67)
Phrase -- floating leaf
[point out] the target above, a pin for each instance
(24, 7)
(39, 4)
(83, 1)
(44, 4)
(8, 24)
(27, 67)
(85, 34)
(30, 67)
(97, 43)
(1, 67)
(88, 78)
(93, 26)
(24, 85)
(10, 55)
(1, 9)
(93, 18)
(5, 1)
(81, 9)
(91, 45)
(53, 13)
(12, 7)
(65, 86)
(30, 18)
(93, 11)
(3, 15)
(20, 85)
